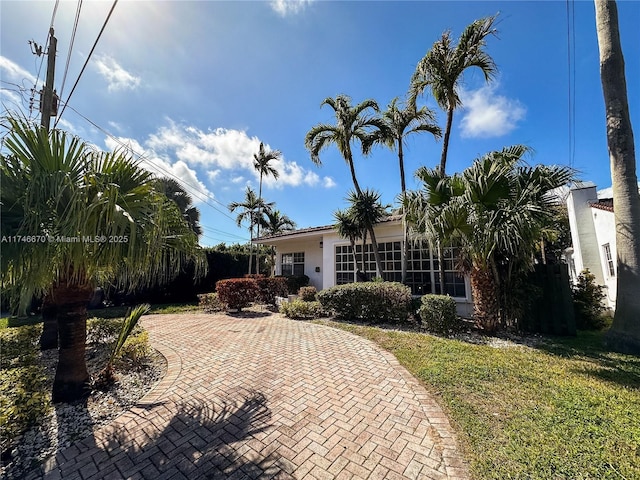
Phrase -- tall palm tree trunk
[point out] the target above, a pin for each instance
(405, 228)
(624, 334)
(486, 301)
(71, 380)
(260, 210)
(49, 336)
(445, 142)
(441, 269)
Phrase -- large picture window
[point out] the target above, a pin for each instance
(423, 275)
(292, 263)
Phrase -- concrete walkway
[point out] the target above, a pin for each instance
(266, 397)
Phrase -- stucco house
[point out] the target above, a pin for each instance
(593, 236)
(327, 259)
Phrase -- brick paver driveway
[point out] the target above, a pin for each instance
(266, 397)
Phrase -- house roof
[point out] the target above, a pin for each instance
(313, 230)
(603, 204)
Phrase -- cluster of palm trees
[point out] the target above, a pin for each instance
(258, 212)
(76, 218)
(496, 210)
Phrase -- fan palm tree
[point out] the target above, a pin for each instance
(90, 217)
(401, 121)
(174, 191)
(624, 334)
(366, 211)
(352, 124)
(276, 223)
(261, 162)
(496, 211)
(442, 68)
(252, 209)
(348, 228)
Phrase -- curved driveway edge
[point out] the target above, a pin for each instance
(267, 397)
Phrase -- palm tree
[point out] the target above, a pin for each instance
(401, 121)
(252, 209)
(174, 191)
(624, 334)
(261, 162)
(91, 217)
(496, 211)
(366, 211)
(276, 223)
(352, 124)
(442, 68)
(348, 228)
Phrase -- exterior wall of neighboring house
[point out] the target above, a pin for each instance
(322, 245)
(592, 225)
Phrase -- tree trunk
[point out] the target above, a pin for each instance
(624, 334)
(486, 303)
(405, 228)
(49, 336)
(376, 253)
(258, 226)
(250, 245)
(445, 142)
(72, 380)
(441, 272)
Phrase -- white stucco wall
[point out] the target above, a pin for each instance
(586, 249)
(312, 258)
(605, 227)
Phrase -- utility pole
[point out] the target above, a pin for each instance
(49, 100)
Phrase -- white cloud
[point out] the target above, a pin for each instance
(488, 114)
(117, 77)
(15, 72)
(289, 7)
(163, 167)
(228, 150)
(328, 182)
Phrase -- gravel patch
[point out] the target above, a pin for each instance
(68, 423)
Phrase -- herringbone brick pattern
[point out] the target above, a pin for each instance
(266, 397)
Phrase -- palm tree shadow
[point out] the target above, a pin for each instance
(599, 362)
(203, 439)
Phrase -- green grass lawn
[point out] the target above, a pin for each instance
(565, 409)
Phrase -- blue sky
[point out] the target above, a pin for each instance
(194, 87)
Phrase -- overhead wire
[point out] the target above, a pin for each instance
(194, 189)
(104, 25)
(71, 43)
(570, 10)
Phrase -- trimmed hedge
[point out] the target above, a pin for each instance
(237, 293)
(438, 314)
(295, 282)
(269, 288)
(372, 301)
(308, 294)
(302, 310)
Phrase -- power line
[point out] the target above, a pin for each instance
(73, 38)
(86, 62)
(200, 195)
(571, 78)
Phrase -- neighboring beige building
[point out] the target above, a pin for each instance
(326, 258)
(593, 235)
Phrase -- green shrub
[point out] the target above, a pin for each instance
(300, 310)
(438, 314)
(24, 397)
(295, 282)
(210, 303)
(135, 348)
(308, 294)
(588, 303)
(371, 301)
(237, 293)
(269, 288)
